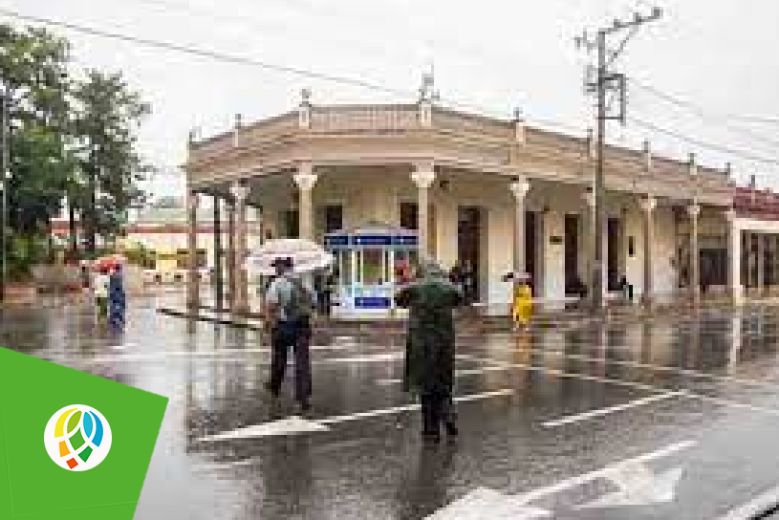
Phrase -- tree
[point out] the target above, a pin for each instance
(107, 116)
(33, 75)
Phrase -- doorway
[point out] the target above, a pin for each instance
(468, 249)
(571, 261)
(613, 229)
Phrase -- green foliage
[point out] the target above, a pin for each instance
(23, 252)
(70, 138)
(107, 115)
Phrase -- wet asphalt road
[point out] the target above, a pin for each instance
(673, 418)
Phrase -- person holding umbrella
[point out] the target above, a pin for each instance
(289, 305)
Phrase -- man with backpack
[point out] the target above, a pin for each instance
(289, 305)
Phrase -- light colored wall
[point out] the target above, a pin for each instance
(634, 265)
(500, 256)
(446, 234)
(664, 271)
(554, 256)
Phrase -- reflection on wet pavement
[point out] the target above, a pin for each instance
(535, 410)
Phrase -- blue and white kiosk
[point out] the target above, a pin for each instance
(367, 260)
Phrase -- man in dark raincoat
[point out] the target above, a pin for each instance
(429, 369)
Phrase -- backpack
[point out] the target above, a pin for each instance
(299, 305)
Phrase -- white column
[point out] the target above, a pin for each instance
(734, 257)
(693, 211)
(305, 180)
(240, 191)
(193, 276)
(423, 176)
(648, 205)
(519, 189)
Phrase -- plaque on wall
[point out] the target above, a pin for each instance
(555, 239)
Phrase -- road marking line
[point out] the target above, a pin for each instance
(154, 356)
(603, 472)
(405, 408)
(599, 412)
(498, 365)
(759, 505)
(294, 424)
(636, 364)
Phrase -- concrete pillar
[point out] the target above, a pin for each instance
(648, 205)
(734, 257)
(423, 176)
(305, 180)
(519, 189)
(240, 192)
(218, 273)
(230, 267)
(694, 211)
(193, 278)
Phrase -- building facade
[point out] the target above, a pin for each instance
(492, 195)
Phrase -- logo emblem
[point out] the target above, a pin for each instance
(77, 437)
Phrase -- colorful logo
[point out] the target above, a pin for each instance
(77, 437)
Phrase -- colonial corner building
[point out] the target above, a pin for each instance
(492, 195)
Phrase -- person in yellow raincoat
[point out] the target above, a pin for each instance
(522, 302)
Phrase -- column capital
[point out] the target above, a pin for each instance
(424, 175)
(693, 209)
(305, 181)
(648, 203)
(519, 187)
(730, 214)
(240, 191)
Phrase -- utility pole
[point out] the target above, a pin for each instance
(604, 82)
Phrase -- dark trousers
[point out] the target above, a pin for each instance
(437, 409)
(288, 335)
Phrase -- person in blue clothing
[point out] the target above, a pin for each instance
(117, 302)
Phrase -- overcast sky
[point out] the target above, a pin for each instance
(492, 54)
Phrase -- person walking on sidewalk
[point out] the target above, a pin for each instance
(429, 368)
(289, 305)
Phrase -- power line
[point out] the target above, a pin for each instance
(241, 60)
(206, 53)
(703, 113)
(742, 154)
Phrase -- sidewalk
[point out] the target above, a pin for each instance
(475, 320)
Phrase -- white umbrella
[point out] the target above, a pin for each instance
(306, 256)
